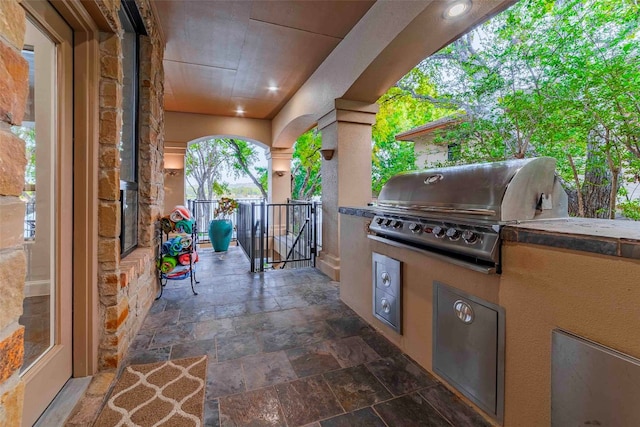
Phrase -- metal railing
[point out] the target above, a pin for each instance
(248, 231)
(203, 212)
(318, 214)
(30, 220)
(278, 235)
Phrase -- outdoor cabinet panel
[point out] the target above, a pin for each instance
(592, 384)
(468, 346)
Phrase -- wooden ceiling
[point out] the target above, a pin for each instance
(224, 55)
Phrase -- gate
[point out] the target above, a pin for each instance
(278, 235)
(203, 212)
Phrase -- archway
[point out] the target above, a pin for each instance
(186, 172)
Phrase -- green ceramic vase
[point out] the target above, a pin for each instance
(220, 232)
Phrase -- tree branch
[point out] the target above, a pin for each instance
(441, 103)
(576, 179)
(244, 165)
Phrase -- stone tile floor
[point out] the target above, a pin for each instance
(285, 351)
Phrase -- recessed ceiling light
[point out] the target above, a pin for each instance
(239, 110)
(272, 88)
(457, 9)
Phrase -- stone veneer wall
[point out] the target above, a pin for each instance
(14, 87)
(128, 286)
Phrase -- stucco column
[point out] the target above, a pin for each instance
(279, 183)
(174, 174)
(279, 174)
(346, 177)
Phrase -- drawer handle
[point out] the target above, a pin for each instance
(464, 312)
(386, 279)
(386, 307)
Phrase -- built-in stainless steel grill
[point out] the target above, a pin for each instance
(457, 212)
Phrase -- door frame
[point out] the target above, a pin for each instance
(49, 374)
(86, 21)
(86, 58)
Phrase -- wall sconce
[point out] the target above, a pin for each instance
(327, 153)
(172, 172)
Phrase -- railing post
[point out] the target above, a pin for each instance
(252, 245)
(261, 233)
(286, 228)
(314, 251)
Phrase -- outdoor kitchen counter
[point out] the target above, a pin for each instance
(366, 212)
(575, 275)
(600, 236)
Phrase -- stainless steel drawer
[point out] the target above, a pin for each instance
(468, 346)
(387, 308)
(387, 291)
(386, 274)
(592, 384)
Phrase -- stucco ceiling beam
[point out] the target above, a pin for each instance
(186, 127)
(384, 21)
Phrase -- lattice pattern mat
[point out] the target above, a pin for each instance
(158, 394)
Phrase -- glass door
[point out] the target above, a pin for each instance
(47, 132)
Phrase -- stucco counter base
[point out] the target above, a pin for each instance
(543, 286)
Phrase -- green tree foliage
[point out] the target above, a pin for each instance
(400, 111)
(263, 178)
(556, 78)
(28, 134)
(206, 160)
(244, 157)
(305, 166)
(203, 164)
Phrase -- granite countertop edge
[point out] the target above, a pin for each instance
(617, 238)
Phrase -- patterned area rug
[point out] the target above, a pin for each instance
(158, 394)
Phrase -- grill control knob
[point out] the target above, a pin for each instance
(379, 220)
(388, 222)
(415, 228)
(396, 224)
(453, 234)
(469, 237)
(438, 232)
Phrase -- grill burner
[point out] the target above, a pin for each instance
(456, 212)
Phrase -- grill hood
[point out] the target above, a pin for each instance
(500, 192)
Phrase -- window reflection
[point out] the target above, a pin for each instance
(37, 131)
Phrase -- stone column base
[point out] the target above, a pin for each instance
(330, 265)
